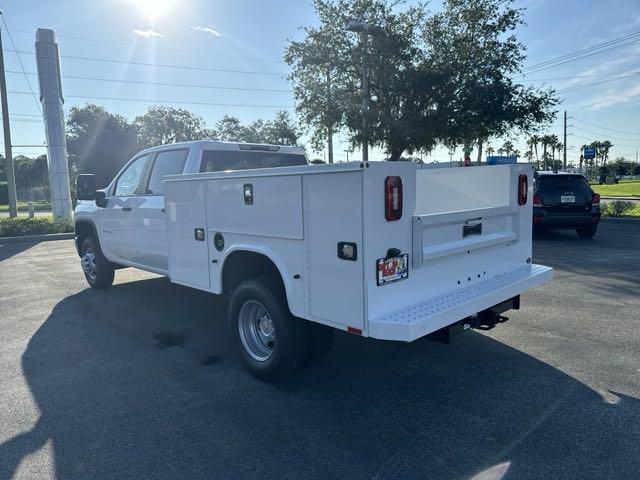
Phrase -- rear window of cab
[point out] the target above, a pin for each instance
(221, 160)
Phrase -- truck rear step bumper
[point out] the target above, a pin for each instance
(419, 320)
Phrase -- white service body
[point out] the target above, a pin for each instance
(297, 217)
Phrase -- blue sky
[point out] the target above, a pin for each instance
(250, 35)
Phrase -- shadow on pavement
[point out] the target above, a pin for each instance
(140, 382)
(8, 250)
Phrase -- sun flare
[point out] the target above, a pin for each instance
(154, 9)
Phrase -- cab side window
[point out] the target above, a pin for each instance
(128, 181)
(166, 163)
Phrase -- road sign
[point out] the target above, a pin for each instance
(590, 152)
(501, 159)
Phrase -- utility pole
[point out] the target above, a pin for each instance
(564, 159)
(329, 123)
(347, 152)
(11, 177)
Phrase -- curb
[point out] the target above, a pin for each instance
(620, 219)
(37, 238)
(632, 199)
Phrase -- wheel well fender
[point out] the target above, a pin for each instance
(85, 229)
(243, 262)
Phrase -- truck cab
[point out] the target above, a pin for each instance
(128, 218)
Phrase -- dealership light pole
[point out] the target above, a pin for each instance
(363, 29)
(48, 64)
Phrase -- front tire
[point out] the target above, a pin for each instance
(587, 232)
(98, 271)
(271, 342)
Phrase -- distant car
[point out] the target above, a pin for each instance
(565, 200)
(609, 179)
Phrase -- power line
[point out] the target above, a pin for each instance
(583, 56)
(156, 48)
(23, 115)
(573, 77)
(157, 65)
(186, 85)
(179, 102)
(577, 87)
(623, 144)
(577, 54)
(615, 136)
(606, 128)
(20, 61)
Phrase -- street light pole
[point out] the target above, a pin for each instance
(364, 40)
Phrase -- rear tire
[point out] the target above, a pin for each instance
(271, 342)
(320, 341)
(98, 271)
(587, 232)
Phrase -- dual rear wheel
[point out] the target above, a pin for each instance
(271, 342)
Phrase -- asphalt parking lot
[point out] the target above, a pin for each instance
(140, 382)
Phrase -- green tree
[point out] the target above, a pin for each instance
(161, 125)
(229, 129)
(281, 130)
(472, 42)
(445, 78)
(99, 142)
(326, 75)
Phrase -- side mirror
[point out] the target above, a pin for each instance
(101, 198)
(86, 186)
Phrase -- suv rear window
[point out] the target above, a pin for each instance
(220, 160)
(573, 183)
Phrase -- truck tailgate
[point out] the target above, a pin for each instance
(469, 243)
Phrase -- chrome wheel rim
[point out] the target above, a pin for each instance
(88, 264)
(256, 330)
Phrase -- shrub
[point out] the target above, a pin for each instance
(15, 227)
(616, 208)
(4, 193)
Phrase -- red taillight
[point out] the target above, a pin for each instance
(537, 201)
(596, 199)
(522, 189)
(393, 198)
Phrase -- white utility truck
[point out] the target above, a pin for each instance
(389, 250)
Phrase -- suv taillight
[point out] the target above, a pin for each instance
(393, 198)
(537, 201)
(596, 199)
(522, 189)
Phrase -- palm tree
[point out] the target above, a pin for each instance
(529, 155)
(490, 150)
(533, 142)
(605, 146)
(559, 149)
(508, 147)
(553, 141)
(545, 142)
